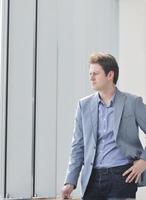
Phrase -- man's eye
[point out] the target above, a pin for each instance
(95, 73)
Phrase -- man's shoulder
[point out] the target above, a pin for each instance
(88, 98)
(129, 96)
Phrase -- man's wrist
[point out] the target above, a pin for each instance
(70, 184)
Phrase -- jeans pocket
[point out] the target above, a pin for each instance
(118, 178)
(121, 189)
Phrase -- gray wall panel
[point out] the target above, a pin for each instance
(20, 93)
(3, 96)
(72, 64)
(3, 41)
(83, 27)
(45, 184)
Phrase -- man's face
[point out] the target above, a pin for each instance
(98, 78)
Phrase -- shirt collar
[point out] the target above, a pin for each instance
(111, 101)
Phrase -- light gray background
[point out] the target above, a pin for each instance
(68, 31)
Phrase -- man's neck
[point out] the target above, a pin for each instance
(107, 94)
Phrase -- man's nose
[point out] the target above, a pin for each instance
(91, 78)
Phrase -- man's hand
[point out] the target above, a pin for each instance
(135, 171)
(67, 190)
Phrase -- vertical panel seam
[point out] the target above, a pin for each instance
(34, 98)
(6, 106)
(57, 55)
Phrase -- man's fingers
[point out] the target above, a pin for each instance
(137, 178)
(131, 177)
(128, 171)
(65, 195)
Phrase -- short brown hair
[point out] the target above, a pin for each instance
(107, 62)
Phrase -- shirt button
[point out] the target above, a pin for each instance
(91, 163)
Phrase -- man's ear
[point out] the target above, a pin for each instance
(111, 75)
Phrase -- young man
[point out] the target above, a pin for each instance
(105, 143)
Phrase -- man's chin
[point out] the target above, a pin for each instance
(94, 88)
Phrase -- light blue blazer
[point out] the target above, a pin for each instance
(129, 115)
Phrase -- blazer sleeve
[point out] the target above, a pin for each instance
(140, 113)
(77, 150)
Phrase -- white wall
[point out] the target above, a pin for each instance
(0, 35)
(68, 31)
(19, 94)
(3, 29)
(83, 27)
(66, 36)
(132, 54)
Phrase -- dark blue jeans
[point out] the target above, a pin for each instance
(109, 184)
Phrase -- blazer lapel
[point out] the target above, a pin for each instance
(118, 109)
(94, 115)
